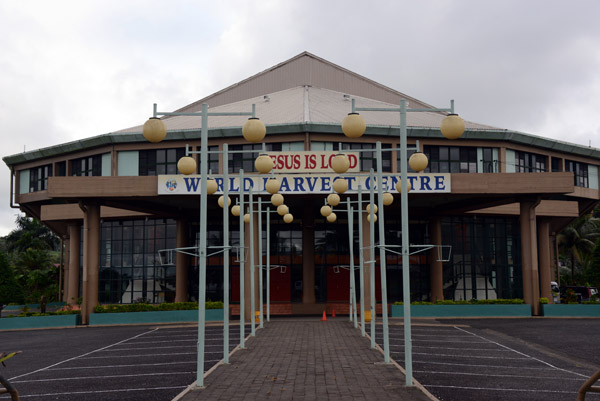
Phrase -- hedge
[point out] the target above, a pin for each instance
(144, 307)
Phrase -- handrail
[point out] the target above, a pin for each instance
(588, 386)
(8, 388)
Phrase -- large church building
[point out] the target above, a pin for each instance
(490, 203)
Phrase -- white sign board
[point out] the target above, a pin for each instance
(304, 183)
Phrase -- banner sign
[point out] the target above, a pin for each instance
(304, 183)
(310, 162)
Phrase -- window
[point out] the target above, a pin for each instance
(159, 161)
(489, 164)
(556, 164)
(529, 162)
(368, 160)
(38, 178)
(87, 166)
(580, 173)
(61, 169)
(244, 161)
(452, 159)
(213, 160)
(130, 269)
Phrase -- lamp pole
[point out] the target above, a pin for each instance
(155, 131)
(353, 126)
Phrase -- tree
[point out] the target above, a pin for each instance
(30, 233)
(32, 250)
(10, 289)
(578, 240)
(592, 271)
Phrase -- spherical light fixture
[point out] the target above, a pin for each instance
(221, 201)
(368, 208)
(272, 185)
(332, 218)
(452, 126)
(388, 198)
(340, 185)
(247, 218)
(154, 130)
(254, 130)
(325, 211)
(211, 186)
(374, 218)
(354, 125)
(399, 186)
(277, 199)
(340, 163)
(288, 218)
(235, 210)
(333, 199)
(186, 165)
(263, 164)
(282, 210)
(418, 161)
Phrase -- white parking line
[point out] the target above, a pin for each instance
(103, 377)
(82, 355)
(465, 356)
(458, 349)
(476, 365)
(502, 389)
(101, 391)
(495, 375)
(144, 355)
(521, 353)
(135, 365)
(161, 341)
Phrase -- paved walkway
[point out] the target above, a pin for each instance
(307, 359)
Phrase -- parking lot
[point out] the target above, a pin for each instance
(468, 359)
(108, 363)
(501, 359)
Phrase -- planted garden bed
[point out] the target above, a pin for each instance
(39, 320)
(181, 312)
(482, 308)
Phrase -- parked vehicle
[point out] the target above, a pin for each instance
(582, 293)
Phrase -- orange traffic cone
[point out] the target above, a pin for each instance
(333, 314)
(324, 319)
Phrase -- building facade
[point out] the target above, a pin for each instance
(492, 201)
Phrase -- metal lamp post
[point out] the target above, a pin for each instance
(155, 131)
(354, 126)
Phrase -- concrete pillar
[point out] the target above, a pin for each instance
(66, 268)
(529, 261)
(91, 258)
(436, 276)
(308, 256)
(545, 258)
(181, 263)
(73, 275)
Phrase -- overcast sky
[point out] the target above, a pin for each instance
(75, 69)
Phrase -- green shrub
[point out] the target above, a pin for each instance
(145, 307)
(515, 301)
(543, 300)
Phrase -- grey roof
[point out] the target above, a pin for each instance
(304, 94)
(305, 104)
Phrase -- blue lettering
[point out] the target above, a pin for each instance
(285, 186)
(368, 183)
(232, 186)
(325, 184)
(412, 181)
(219, 184)
(439, 183)
(248, 183)
(298, 184)
(395, 181)
(425, 183)
(311, 185)
(191, 184)
(350, 182)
